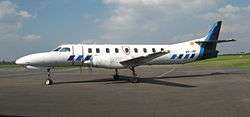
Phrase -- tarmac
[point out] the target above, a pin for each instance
(174, 91)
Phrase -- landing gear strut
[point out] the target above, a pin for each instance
(134, 79)
(49, 81)
(116, 76)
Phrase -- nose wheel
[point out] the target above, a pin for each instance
(49, 81)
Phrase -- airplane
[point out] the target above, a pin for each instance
(125, 56)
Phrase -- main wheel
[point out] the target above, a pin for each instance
(134, 80)
(116, 77)
(49, 82)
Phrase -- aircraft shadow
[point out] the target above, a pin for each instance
(195, 75)
(125, 79)
(12, 116)
(149, 80)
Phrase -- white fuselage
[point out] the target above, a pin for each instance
(110, 56)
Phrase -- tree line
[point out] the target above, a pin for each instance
(3, 62)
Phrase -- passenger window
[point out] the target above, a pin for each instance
(192, 56)
(174, 56)
(144, 50)
(116, 50)
(126, 50)
(180, 56)
(136, 50)
(186, 57)
(97, 50)
(107, 50)
(153, 50)
(162, 49)
(65, 50)
(89, 50)
(57, 49)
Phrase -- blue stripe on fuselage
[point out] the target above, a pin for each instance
(202, 52)
(88, 57)
(71, 58)
(79, 58)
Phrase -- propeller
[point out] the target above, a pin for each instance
(87, 63)
(81, 69)
(90, 65)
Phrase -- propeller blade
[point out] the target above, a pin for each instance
(80, 69)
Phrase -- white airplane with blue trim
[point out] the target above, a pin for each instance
(125, 56)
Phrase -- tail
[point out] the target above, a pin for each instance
(214, 32)
(208, 45)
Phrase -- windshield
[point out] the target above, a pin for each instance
(65, 50)
(57, 49)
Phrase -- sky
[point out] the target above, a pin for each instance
(31, 26)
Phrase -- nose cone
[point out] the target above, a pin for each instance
(21, 61)
(33, 59)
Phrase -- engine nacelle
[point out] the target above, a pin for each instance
(107, 62)
(32, 67)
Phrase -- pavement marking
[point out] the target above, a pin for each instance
(163, 74)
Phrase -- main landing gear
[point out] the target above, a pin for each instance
(135, 79)
(49, 80)
(116, 76)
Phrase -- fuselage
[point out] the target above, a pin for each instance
(110, 55)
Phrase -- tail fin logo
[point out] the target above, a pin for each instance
(214, 32)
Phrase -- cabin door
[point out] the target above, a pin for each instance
(78, 52)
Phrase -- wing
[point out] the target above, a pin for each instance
(143, 59)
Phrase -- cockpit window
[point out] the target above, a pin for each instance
(65, 50)
(57, 49)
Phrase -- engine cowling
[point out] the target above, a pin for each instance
(106, 62)
(32, 67)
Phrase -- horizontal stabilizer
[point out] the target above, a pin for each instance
(214, 41)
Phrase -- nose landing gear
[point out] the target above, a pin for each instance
(49, 80)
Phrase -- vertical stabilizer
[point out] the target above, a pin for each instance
(208, 50)
(214, 32)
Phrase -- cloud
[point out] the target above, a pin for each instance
(31, 37)
(144, 19)
(236, 25)
(172, 21)
(24, 14)
(11, 20)
(6, 8)
(234, 17)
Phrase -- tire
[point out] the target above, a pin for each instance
(134, 80)
(49, 82)
(116, 77)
